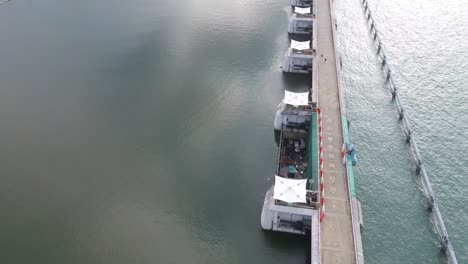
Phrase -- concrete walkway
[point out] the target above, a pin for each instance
(337, 244)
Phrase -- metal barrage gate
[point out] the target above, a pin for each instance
(432, 206)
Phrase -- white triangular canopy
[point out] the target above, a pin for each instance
(290, 190)
(302, 10)
(296, 99)
(300, 45)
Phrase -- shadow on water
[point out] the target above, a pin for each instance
(277, 135)
(296, 82)
(288, 243)
(300, 37)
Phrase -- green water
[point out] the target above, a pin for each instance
(426, 47)
(142, 132)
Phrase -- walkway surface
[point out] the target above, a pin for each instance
(337, 244)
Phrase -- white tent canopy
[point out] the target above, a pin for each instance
(290, 190)
(300, 10)
(300, 45)
(296, 99)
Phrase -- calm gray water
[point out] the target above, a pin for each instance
(141, 131)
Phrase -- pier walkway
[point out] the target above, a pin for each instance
(337, 243)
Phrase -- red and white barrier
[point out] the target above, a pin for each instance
(343, 153)
(321, 172)
(322, 206)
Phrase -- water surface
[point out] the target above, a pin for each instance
(141, 131)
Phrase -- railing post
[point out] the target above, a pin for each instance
(408, 136)
(418, 167)
(430, 206)
(402, 113)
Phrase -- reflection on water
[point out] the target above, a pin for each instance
(140, 131)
